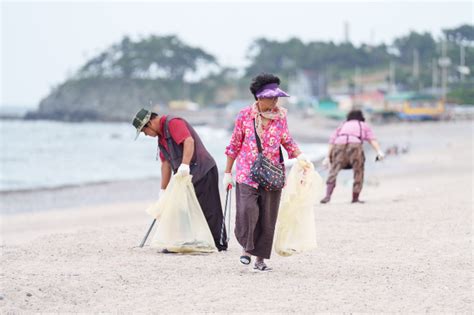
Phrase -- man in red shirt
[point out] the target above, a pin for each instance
(182, 152)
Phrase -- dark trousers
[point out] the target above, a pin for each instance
(207, 193)
(257, 211)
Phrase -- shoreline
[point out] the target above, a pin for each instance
(72, 186)
(97, 193)
(12, 185)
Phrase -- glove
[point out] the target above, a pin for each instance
(303, 159)
(183, 170)
(326, 163)
(380, 156)
(162, 193)
(227, 180)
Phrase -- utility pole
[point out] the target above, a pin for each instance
(346, 32)
(461, 57)
(434, 74)
(391, 71)
(444, 63)
(372, 37)
(463, 70)
(357, 81)
(416, 68)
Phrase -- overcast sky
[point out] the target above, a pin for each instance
(42, 43)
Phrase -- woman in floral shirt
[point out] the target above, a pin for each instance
(257, 208)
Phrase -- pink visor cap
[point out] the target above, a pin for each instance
(270, 91)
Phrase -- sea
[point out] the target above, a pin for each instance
(47, 154)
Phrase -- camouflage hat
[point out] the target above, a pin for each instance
(140, 120)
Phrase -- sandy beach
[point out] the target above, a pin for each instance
(408, 249)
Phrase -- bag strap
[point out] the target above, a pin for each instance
(169, 154)
(257, 138)
(347, 135)
(259, 144)
(169, 140)
(339, 129)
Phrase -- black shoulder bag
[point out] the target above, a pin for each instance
(268, 175)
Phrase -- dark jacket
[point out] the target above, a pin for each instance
(201, 162)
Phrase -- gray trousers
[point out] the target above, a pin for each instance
(257, 211)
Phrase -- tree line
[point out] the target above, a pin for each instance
(199, 74)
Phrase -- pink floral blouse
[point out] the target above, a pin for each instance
(243, 146)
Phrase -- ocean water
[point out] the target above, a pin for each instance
(46, 154)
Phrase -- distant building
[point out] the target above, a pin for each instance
(373, 100)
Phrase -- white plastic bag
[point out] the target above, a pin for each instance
(295, 227)
(155, 209)
(181, 226)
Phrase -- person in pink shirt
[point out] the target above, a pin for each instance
(346, 152)
(257, 208)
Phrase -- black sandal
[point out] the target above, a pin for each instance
(244, 259)
(261, 266)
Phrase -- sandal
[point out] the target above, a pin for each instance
(261, 266)
(245, 259)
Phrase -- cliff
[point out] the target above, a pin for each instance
(103, 99)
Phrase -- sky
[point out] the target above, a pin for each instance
(44, 43)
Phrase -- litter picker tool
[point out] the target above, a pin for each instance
(227, 203)
(147, 233)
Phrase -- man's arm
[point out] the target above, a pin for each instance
(165, 174)
(188, 150)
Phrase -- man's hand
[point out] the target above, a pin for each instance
(162, 193)
(227, 180)
(183, 170)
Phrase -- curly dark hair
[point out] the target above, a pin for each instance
(260, 80)
(355, 115)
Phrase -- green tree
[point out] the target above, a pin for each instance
(423, 43)
(463, 33)
(153, 57)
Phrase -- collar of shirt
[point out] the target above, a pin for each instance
(162, 126)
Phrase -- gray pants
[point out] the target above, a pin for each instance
(257, 211)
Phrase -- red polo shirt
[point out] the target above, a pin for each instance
(178, 131)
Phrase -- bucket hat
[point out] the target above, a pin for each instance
(140, 120)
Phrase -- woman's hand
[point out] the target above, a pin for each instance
(380, 156)
(227, 181)
(304, 160)
(326, 162)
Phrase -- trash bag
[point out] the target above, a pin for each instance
(295, 227)
(155, 208)
(181, 227)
